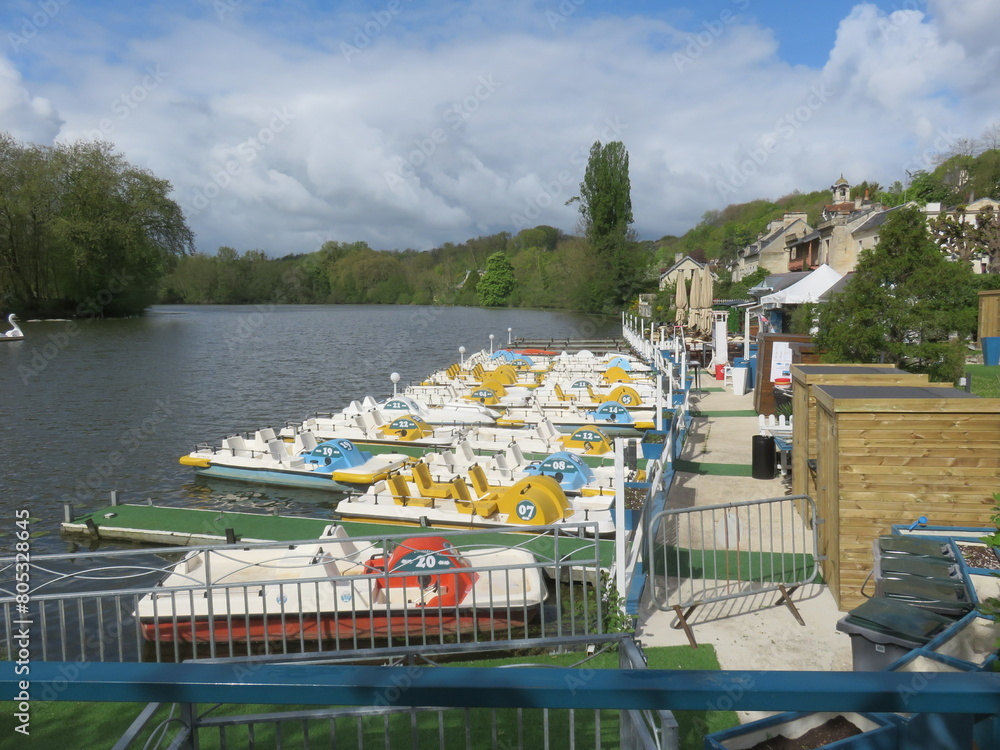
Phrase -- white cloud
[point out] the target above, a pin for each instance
(434, 133)
(27, 118)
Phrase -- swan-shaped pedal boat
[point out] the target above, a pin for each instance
(15, 333)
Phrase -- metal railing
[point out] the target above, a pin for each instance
(715, 553)
(385, 723)
(84, 606)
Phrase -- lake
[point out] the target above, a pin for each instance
(95, 405)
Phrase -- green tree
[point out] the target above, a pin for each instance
(928, 187)
(606, 209)
(906, 304)
(497, 282)
(83, 231)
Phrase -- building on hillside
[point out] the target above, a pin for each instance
(684, 267)
(769, 250)
(848, 227)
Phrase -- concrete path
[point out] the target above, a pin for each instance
(753, 632)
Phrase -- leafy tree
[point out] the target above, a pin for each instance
(497, 282)
(906, 304)
(83, 231)
(928, 187)
(606, 209)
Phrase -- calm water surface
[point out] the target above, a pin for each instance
(91, 406)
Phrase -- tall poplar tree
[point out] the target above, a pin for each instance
(606, 209)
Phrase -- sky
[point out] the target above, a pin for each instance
(408, 124)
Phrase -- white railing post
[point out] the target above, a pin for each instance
(620, 528)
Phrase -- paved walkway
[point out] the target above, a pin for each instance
(752, 632)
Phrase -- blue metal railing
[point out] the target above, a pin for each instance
(471, 687)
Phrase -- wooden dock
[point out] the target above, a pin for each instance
(153, 524)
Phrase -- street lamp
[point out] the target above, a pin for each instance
(394, 377)
(461, 353)
(491, 344)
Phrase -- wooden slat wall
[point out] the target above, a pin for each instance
(827, 507)
(804, 378)
(989, 313)
(892, 464)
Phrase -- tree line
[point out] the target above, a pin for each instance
(540, 267)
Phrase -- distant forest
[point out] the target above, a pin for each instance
(551, 270)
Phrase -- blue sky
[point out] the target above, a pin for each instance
(403, 123)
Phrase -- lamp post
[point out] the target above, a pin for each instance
(491, 344)
(394, 377)
(461, 353)
(508, 336)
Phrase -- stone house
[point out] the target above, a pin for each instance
(769, 250)
(847, 227)
(684, 267)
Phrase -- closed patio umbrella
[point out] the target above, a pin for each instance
(707, 292)
(681, 299)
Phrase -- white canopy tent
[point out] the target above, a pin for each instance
(808, 289)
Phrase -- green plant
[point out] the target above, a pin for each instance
(615, 618)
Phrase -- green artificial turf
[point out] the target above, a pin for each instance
(719, 470)
(99, 725)
(735, 565)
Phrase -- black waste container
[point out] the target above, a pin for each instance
(883, 630)
(764, 459)
(896, 546)
(945, 597)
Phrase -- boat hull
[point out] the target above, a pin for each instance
(277, 478)
(333, 626)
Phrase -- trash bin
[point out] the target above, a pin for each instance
(884, 630)
(895, 546)
(912, 566)
(720, 372)
(763, 457)
(944, 597)
(740, 373)
(991, 350)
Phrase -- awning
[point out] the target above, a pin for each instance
(807, 290)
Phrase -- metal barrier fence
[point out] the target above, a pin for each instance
(715, 553)
(388, 724)
(271, 598)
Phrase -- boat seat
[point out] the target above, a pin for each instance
(515, 455)
(401, 493)
(308, 439)
(484, 507)
(265, 435)
(480, 483)
(237, 446)
(500, 462)
(425, 483)
(465, 450)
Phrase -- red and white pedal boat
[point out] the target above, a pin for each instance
(337, 588)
